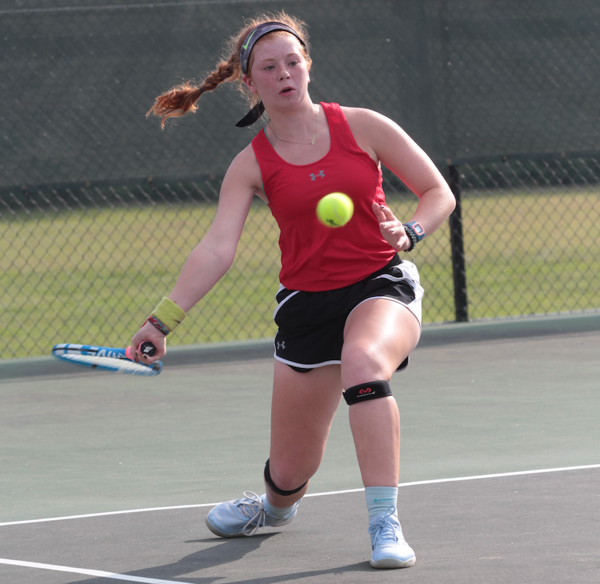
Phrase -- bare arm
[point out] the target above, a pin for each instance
(212, 257)
(387, 143)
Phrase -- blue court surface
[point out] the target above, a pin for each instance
(108, 478)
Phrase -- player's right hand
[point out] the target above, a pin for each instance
(150, 334)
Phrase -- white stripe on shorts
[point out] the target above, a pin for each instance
(410, 274)
(284, 300)
(304, 365)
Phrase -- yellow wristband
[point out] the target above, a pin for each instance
(169, 314)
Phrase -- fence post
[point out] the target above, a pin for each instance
(459, 270)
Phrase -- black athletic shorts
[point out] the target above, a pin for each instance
(311, 324)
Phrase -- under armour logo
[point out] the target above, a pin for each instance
(313, 176)
(281, 346)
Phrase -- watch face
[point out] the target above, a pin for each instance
(417, 229)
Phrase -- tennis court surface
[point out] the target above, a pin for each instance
(108, 478)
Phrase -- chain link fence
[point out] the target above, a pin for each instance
(530, 237)
(99, 208)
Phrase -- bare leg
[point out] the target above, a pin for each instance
(379, 335)
(302, 411)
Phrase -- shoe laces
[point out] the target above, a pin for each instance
(384, 529)
(252, 508)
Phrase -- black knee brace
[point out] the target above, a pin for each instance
(366, 391)
(275, 488)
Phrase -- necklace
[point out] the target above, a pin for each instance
(311, 143)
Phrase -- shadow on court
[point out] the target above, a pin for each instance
(511, 400)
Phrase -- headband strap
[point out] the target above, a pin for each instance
(261, 30)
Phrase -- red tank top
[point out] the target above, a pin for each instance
(315, 257)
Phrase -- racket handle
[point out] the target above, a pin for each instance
(145, 348)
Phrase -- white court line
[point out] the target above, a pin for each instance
(416, 483)
(97, 573)
(471, 478)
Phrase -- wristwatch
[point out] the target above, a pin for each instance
(415, 233)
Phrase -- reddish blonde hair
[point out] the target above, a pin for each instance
(182, 98)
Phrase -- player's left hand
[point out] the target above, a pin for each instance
(391, 228)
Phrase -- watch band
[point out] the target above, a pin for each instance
(415, 233)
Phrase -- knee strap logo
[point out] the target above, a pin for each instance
(367, 391)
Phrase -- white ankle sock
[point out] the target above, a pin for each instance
(277, 512)
(380, 499)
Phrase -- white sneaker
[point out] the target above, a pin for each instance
(244, 516)
(390, 550)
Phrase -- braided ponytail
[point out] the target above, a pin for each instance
(183, 98)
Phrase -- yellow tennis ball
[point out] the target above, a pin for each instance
(335, 210)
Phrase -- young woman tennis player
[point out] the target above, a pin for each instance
(348, 308)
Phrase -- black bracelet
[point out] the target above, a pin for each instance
(412, 236)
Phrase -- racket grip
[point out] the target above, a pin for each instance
(145, 348)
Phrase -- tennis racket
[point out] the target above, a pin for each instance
(108, 358)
